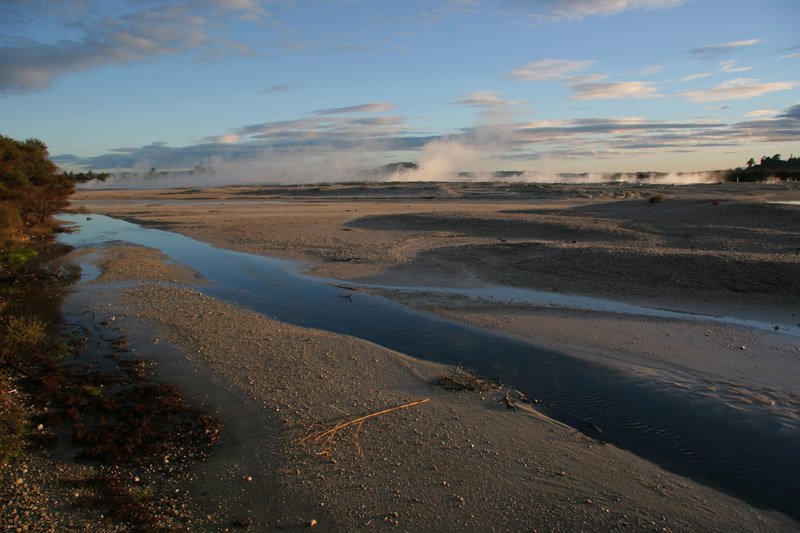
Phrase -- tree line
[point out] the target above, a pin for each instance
(774, 167)
(32, 190)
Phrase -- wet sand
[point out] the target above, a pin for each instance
(462, 460)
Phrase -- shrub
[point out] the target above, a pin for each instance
(21, 334)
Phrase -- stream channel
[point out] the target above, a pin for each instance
(747, 452)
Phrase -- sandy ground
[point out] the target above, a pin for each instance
(460, 461)
(714, 249)
(723, 243)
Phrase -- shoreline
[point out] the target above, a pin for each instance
(318, 228)
(461, 471)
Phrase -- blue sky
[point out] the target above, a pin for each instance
(322, 87)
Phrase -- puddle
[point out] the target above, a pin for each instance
(745, 450)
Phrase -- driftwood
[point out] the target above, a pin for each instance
(327, 435)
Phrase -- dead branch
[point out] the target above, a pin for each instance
(330, 433)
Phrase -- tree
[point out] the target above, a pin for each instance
(751, 162)
(31, 190)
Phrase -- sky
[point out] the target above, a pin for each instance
(314, 90)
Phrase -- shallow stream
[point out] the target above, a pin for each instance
(744, 450)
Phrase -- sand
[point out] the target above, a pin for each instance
(461, 461)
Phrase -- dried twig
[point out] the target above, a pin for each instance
(328, 434)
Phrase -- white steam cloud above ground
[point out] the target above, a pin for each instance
(346, 146)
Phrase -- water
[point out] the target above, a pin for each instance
(747, 452)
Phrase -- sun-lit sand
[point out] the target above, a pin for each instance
(463, 460)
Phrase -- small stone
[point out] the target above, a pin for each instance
(588, 500)
(248, 478)
(166, 460)
(19, 481)
(40, 427)
(312, 523)
(743, 347)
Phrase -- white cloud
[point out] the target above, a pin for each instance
(372, 107)
(548, 69)
(738, 89)
(732, 65)
(484, 99)
(710, 51)
(649, 71)
(794, 55)
(761, 113)
(578, 9)
(697, 76)
(613, 90)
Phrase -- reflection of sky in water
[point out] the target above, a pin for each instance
(693, 433)
(513, 295)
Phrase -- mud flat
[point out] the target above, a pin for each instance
(463, 460)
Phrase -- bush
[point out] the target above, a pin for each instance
(13, 261)
(21, 334)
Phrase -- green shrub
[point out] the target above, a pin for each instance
(14, 260)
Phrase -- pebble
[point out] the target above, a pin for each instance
(312, 523)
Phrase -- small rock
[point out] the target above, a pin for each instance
(40, 427)
(312, 523)
(743, 347)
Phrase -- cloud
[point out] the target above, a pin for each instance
(760, 113)
(728, 66)
(354, 47)
(554, 10)
(279, 88)
(711, 51)
(613, 90)
(339, 146)
(793, 55)
(649, 71)
(372, 107)
(248, 10)
(484, 99)
(737, 89)
(27, 66)
(548, 69)
(697, 76)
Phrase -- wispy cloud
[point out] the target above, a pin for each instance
(698, 76)
(28, 66)
(318, 148)
(613, 90)
(737, 89)
(555, 10)
(549, 69)
(651, 70)
(372, 107)
(711, 51)
(793, 55)
(279, 88)
(484, 99)
(760, 113)
(725, 67)
(354, 47)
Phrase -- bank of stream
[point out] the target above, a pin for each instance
(749, 452)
